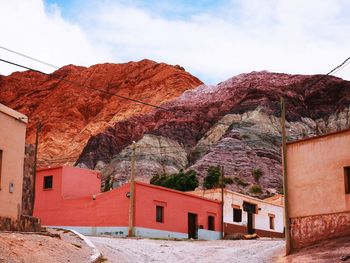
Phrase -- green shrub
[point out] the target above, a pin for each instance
(257, 173)
(240, 182)
(255, 189)
(212, 180)
(181, 181)
(228, 180)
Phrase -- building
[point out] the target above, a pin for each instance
(12, 144)
(318, 190)
(248, 215)
(69, 197)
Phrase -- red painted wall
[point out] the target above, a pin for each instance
(176, 205)
(112, 208)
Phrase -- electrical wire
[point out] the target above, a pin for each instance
(29, 57)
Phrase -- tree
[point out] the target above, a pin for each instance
(181, 181)
(212, 180)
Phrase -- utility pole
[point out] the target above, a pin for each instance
(132, 192)
(285, 182)
(222, 203)
(38, 127)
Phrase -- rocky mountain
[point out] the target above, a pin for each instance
(74, 103)
(234, 124)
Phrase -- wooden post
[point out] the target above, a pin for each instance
(132, 192)
(222, 203)
(285, 182)
(38, 129)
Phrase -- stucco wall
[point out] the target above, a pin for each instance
(177, 205)
(12, 143)
(316, 175)
(261, 219)
(316, 187)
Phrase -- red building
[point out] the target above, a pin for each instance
(70, 197)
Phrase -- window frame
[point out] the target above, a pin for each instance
(347, 180)
(211, 222)
(272, 221)
(240, 215)
(44, 182)
(1, 157)
(159, 214)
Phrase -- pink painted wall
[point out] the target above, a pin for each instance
(176, 204)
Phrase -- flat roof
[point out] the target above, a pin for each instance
(189, 194)
(65, 166)
(218, 190)
(319, 136)
(14, 114)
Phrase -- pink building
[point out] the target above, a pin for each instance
(318, 179)
(70, 197)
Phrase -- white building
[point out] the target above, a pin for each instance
(245, 214)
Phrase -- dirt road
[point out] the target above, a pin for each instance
(148, 250)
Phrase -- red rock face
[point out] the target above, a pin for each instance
(70, 113)
(189, 117)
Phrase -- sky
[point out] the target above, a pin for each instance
(213, 40)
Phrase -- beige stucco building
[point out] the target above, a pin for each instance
(245, 214)
(12, 147)
(318, 178)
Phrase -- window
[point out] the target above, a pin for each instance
(347, 180)
(237, 215)
(272, 221)
(0, 166)
(159, 214)
(48, 182)
(211, 223)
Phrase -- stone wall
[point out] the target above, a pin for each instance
(309, 230)
(28, 175)
(25, 224)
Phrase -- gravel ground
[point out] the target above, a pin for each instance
(328, 251)
(33, 248)
(150, 250)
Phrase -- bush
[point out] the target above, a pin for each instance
(240, 182)
(257, 173)
(255, 189)
(181, 181)
(212, 180)
(228, 180)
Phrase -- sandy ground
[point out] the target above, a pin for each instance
(150, 250)
(324, 252)
(34, 248)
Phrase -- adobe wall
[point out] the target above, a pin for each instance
(309, 230)
(24, 224)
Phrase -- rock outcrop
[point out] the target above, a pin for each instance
(74, 103)
(234, 124)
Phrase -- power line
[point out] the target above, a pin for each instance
(29, 57)
(83, 86)
(337, 68)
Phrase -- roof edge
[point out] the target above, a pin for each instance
(14, 114)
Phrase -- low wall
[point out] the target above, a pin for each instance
(25, 224)
(139, 232)
(309, 230)
(233, 228)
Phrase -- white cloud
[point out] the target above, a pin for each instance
(28, 28)
(296, 36)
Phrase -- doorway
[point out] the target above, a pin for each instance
(192, 226)
(251, 210)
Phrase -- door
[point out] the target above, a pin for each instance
(192, 226)
(250, 223)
